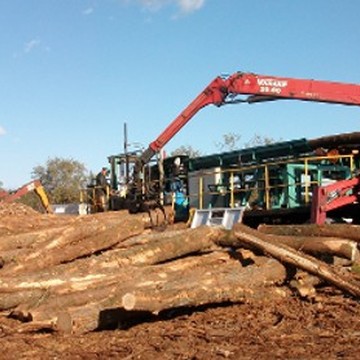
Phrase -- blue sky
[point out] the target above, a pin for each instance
(73, 71)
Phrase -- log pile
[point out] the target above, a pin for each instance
(88, 273)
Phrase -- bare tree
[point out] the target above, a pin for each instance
(229, 142)
(186, 150)
(258, 140)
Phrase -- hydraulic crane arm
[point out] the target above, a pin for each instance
(214, 93)
(223, 91)
(35, 186)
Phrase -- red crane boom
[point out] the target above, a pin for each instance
(223, 91)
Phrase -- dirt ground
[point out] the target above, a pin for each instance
(292, 329)
(327, 327)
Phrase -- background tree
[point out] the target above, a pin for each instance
(229, 142)
(62, 179)
(186, 150)
(32, 200)
(258, 140)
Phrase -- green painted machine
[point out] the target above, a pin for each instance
(275, 183)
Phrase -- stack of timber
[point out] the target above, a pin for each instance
(94, 271)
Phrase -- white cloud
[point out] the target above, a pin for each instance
(31, 45)
(188, 6)
(2, 131)
(88, 11)
(154, 5)
(185, 6)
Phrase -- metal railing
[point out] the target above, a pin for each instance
(264, 182)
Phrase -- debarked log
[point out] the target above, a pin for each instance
(249, 237)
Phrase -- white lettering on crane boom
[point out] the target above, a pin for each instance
(271, 86)
(272, 82)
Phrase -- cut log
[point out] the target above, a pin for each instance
(250, 237)
(10, 224)
(169, 246)
(228, 283)
(344, 231)
(12, 299)
(149, 236)
(62, 298)
(29, 239)
(77, 241)
(172, 246)
(85, 236)
(314, 245)
(319, 245)
(157, 288)
(106, 269)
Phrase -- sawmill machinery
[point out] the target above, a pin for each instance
(240, 87)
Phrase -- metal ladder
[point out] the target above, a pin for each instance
(225, 217)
